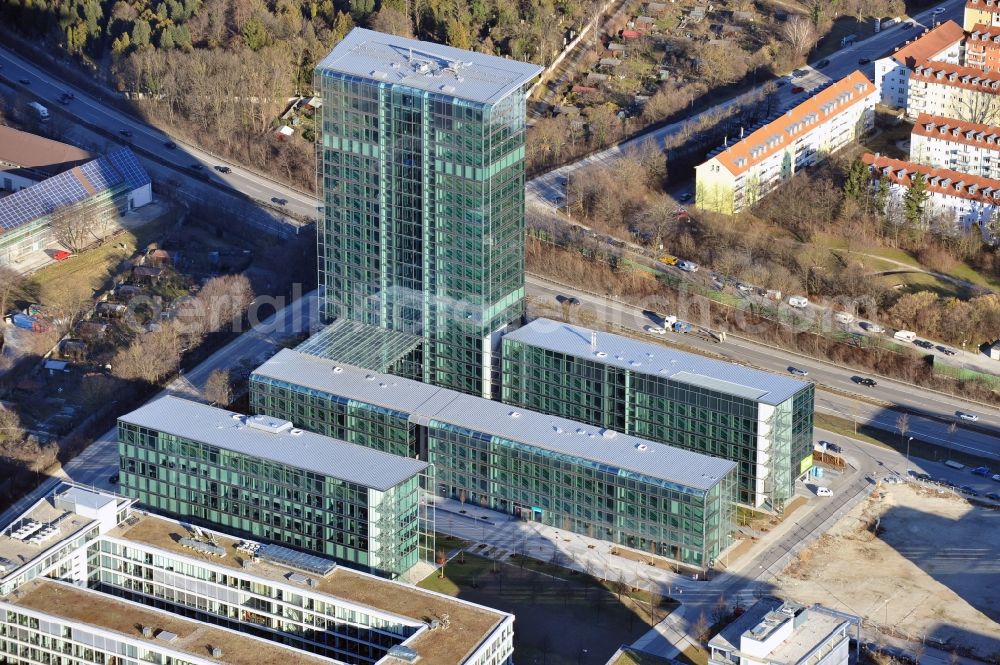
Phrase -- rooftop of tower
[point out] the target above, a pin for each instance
(445, 70)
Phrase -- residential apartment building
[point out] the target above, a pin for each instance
(963, 199)
(775, 632)
(982, 48)
(421, 171)
(942, 43)
(956, 145)
(86, 578)
(737, 176)
(581, 478)
(761, 421)
(981, 12)
(954, 91)
(262, 478)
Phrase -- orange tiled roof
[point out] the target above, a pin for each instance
(929, 44)
(944, 73)
(942, 181)
(813, 112)
(984, 5)
(984, 33)
(958, 131)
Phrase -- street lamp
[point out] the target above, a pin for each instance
(908, 455)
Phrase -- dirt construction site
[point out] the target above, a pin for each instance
(917, 561)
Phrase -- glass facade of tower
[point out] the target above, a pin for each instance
(424, 225)
(772, 445)
(376, 531)
(687, 524)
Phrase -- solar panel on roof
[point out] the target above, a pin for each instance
(294, 559)
(101, 174)
(125, 161)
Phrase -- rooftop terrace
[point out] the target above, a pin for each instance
(40, 529)
(469, 625)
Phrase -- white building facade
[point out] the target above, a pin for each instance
(892, 73)
(956, 145)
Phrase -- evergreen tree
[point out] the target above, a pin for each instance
(166, 38)
(881, 196)
(915, 198)
(141, 33)
(121, 45)
(255, 34)
(858, 180)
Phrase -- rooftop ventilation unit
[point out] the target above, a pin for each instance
(147, 631)
(268, 424)
(403, 653)
(216, 652)
(166, 636)
(514, 414)
(338, 370)
(608, 434)
(641, 447)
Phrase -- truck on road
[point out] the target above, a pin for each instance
(40, 111)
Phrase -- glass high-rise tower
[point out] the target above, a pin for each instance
(421, 168)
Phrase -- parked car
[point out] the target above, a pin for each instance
(864, 61)
(169, 145)
(983, 471)
(924, 344)
(688, 266)
(127, 133)
(796, 89)
(797, 371)
(844, 317)
(893, 480)
(831, 446)
(197, 167)
(799, 72)
(945, 350)
(922, 476)
(971, 417)
(824, 491)
(866, 381)
(655, 330)
(995, 477)
(871, 327)
(909, 26)
(822, 63)
(24, 81)
(968, 491)
(223, 169)
(279, 201)
(61, 255)
(740, 286)
(800, 302)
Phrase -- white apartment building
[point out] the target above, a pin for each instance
(956, 145)
(773, 632)
(966, 200)
(981, 12)
(735, 177)
(953, 91)
(85, 578)
(892, 73)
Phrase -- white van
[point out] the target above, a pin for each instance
(824, 491)
(801, 302)
(844, 317)
(905, 335)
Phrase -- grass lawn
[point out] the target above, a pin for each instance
(921, 281)
(563, 617)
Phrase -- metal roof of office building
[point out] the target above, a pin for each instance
(360, 344)
(445, 70)
(70, 187)
(275, 440)
(425, 403)
(656, 359)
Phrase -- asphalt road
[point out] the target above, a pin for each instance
(13, 68)
(822, 373)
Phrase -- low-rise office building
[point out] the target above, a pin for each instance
(962, 199)
(954, 91)
(942, 43)
(761, 421)
(773, 632)
(736, 176)
(85, 578)
(590, 480)
(956, 145)
(261, 477)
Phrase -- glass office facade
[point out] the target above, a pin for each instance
(687, 524)
(423, 230)
(377, 531)
(772, 445)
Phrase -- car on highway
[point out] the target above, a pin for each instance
(993, 495)
(798, 371)
(127, 133)
(968, 491)
(688, 266)
(865, 381)
(170, 145)
(279, 201)
(965, 415)
(983, 471)
(909, 26)
(822, 63)
(223, 169)
(824, 491)
(655, 330)
(922, 476)
(796, 89)
(24, 81)
(871, 327)
(924, 344)
(995, 477)
(197, 167)
(864, 61)
(945, 350)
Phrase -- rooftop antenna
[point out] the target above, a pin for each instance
(593, 340)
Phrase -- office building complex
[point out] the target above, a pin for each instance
(262, 478)
(963, 199)
(84, 578)
(594, 481)
(50, 181)
(421, 169)
(956, 145)
(736, 176)
(773, 632)
(761, 421)
(942, 43)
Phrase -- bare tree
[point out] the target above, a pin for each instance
(11, 287)
(903, 425)
(219, 388)
(150, 357)
(977, 106)
(799, 33)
